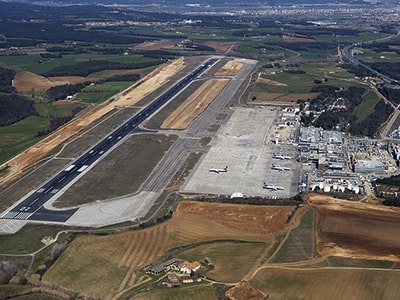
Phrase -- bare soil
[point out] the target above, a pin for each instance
(230, 68)
(245, 290)
(356, 229)
(270, 82)
(129, 97)
(193, 106)
(249, 218)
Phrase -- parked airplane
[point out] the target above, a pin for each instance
(280, 156)
(279, 168)
(223, 170)
(272, 187)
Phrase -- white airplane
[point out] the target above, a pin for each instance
(279, 168)
(223, 170)
(280, 156)
(272, 187)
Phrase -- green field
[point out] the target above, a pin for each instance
(232, 260)
(329, 70)
(328, 284)
(318, 53)
(20, 135)
(101, 92)
(35, 64)
(366, 107)
(296, 83)
(183, 293)
(27, 240)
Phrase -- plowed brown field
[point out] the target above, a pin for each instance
(358, 230)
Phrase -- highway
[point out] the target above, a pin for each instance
(31, 207)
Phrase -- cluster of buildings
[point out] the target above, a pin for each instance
(334, 163)
(174, 264)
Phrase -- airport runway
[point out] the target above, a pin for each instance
(31, 207)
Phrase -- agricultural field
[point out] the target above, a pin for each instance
(355, 229)
(359, 234)
(11, 291)
(300, 244)
(328, 284)
(184, 293)
(110, 264)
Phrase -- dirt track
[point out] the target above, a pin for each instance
(130, 96)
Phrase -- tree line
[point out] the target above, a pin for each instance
(92, 66)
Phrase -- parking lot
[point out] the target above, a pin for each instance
(246, 145)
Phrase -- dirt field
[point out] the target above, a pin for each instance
(107, 265)
(250, 218)
(245, 290)
(270, 82)
(28, 81)
(193, 106)
(127, 98)
(230, 68)
(357, 230)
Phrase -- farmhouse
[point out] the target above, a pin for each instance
(157, 269)
(187, 267)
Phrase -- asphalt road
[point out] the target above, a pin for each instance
(31, 206)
